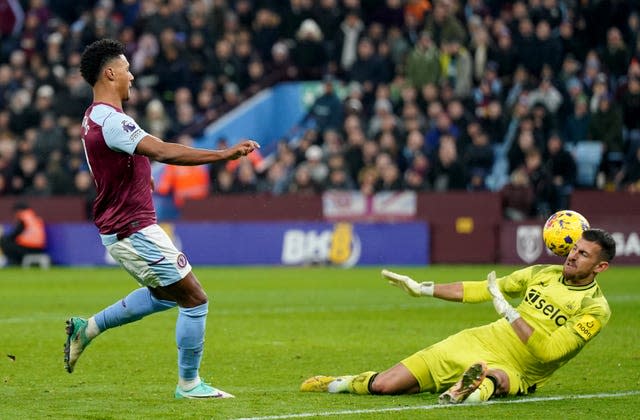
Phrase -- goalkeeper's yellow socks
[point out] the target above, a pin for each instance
(360, 383)
(484, 391)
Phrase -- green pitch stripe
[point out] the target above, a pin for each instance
(522, 400)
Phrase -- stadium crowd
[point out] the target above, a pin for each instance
(434, 95)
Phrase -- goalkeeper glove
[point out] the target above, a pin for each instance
(409, 285)
(499, 302)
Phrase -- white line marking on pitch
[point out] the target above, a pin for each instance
(523, 400)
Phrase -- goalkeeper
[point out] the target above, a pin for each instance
(562, 309)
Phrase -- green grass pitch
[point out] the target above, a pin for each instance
(269, 329)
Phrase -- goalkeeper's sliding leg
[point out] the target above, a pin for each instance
(478, 383)
(397, 380)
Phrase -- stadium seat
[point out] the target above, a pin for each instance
(588, 155)
(41, 260)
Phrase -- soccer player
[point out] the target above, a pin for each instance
(562, 310)
(118, 153)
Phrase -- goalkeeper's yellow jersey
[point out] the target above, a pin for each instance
(564, 319)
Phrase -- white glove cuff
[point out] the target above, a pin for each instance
(427, 288)
(511, 315)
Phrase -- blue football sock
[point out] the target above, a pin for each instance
(190, 338)
(133, 307)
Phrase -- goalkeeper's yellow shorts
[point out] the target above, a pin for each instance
(441, 365)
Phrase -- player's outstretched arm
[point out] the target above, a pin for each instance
(504, 308)
(449, 291)
(178, 154)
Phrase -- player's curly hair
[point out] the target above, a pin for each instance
(604, 239)
(96, 55)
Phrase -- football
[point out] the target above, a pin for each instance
(562, 230)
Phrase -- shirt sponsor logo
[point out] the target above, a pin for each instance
(127, 126)
(587, 327)
(534, 298)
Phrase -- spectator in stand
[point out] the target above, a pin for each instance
(518, 197)
(457, 67)
(540, 182)
(302, 182)
(524, 143)
(389, 144)
(315, 165)
(599, 89)
(59, 180)
(224, 68)
(294, 15)
(577, 125)
(448, 172)
(561, 166)
(417, 9)
(367, 180)
(442, 127)
(246, 180)
(366, 69)
(592, 71)
(548, 95)
(543, 123)
(339, 179)
(572, 44)
(224, 182)
(479, 47)
(84, 186)
(526, 46)
(490, 86)
(40, 186)
(347, 38)
(548, 49)
(156, 118)
(382, 119)
(628, 178)
(630, 103)
(275, 180)
(339, 175)
(24, 174)
(390, 179)
(606, 126)
(442, 23)
(505, 55)
(478, 158)
(332, 144)
(569, 74)
(414, 181)
(28, 235)
(370, 152)
(50, 138)
(265, 32)
(574, 91)
(423, 64)
(615, 55)
(493, 122)
(399, 47)
(309, 54)
(326, 111)
(414, 145)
